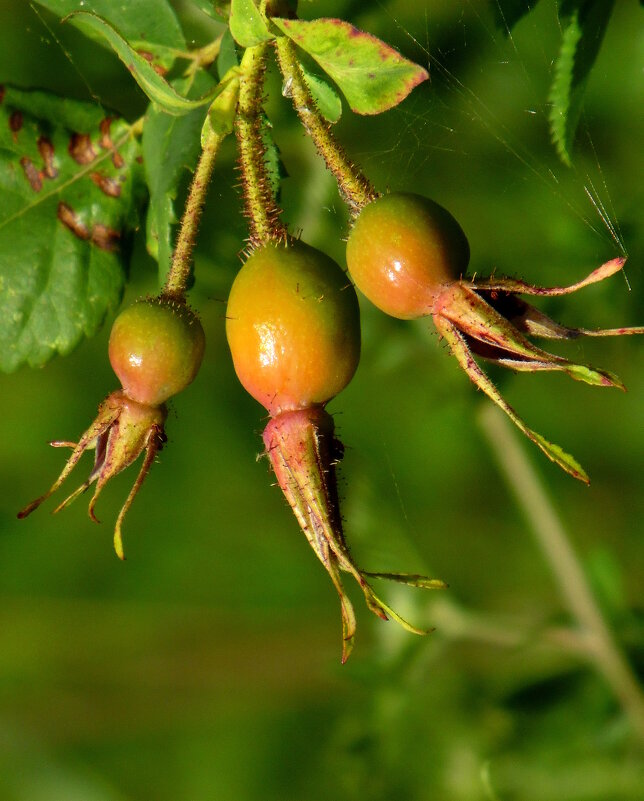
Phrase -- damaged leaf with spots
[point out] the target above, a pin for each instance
(372, 75)
(71, 184)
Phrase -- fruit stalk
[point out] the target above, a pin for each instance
(180, 270)
(354, 186)
(262, 210)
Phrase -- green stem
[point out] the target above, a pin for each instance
(179, 273)
(261, 207)
(554, 542)
(354, 186)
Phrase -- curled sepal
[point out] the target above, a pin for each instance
(123, 429)
(502, 294)
(493, 337)
(459, 347)
(485, 318)
(303, 452)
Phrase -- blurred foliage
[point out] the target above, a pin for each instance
(207, 666)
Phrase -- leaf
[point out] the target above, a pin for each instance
(508, 12)
(220, 118)
(275, 168)
(208, 7)
(170, 148)
(247, 25)
(372, 76)
(326, 98)
(583, 23)
(150, 21)
(155, 87)
(71, 185)
(227, 57)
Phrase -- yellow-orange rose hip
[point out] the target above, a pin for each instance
(293, 327)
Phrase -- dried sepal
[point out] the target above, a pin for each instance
(303, 452)
(122, 430)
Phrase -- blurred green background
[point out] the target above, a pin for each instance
(207, 666)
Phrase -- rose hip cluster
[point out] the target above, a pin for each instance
(293, 329)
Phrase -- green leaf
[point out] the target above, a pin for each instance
(275, 168)
(150, 21)
(583, 24)
(508, 12)
(227, 57)
(155, 87)
(326, 98)
(170, 149)
(220, 118)
(247, 25)
(218, 11)
(372, 76)
(71, 185)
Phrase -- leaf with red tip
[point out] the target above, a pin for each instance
(372, 75)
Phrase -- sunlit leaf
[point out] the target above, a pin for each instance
(247, 25)
(372, 75)
(71, 183)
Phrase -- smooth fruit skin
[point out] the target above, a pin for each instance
(403, 250)
(293, 327)
(155, 349)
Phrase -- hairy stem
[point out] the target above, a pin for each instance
(554, 542)
(261, 206)
(178, 278)
(355, 187)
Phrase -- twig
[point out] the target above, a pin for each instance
(552, 538)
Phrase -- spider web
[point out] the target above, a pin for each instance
(492, 87)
